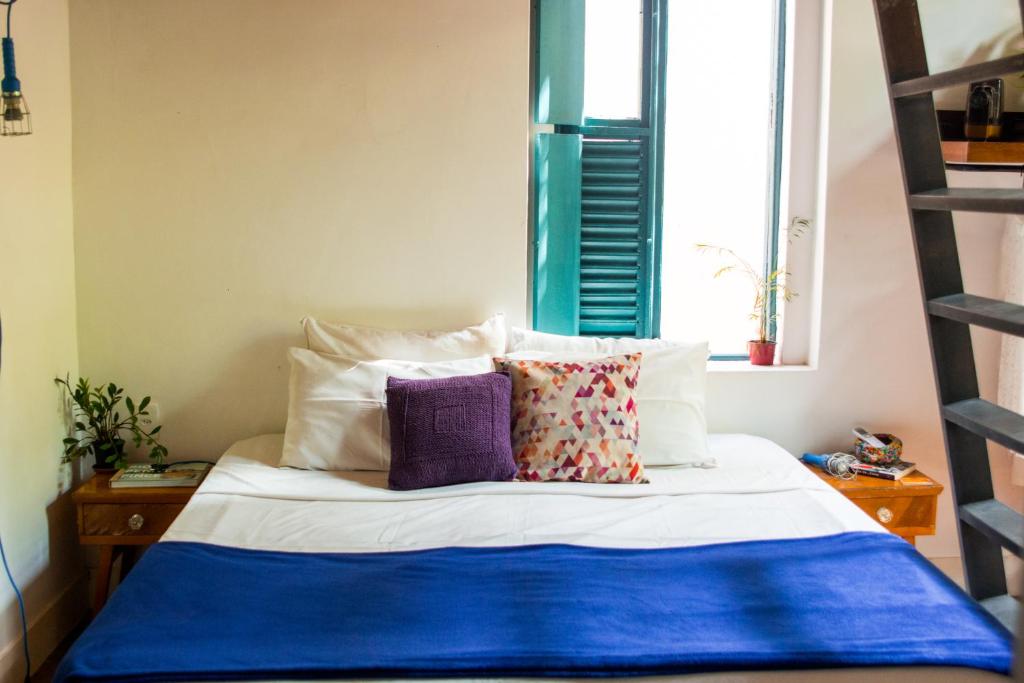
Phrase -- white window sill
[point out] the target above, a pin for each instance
(742, 366)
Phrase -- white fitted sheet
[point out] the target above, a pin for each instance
(758, 491)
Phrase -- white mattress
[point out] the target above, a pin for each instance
(758, 491)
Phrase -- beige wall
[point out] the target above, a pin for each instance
(240, 164)
(37, 302)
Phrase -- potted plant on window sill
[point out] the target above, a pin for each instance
(100, 427)
(761, 349)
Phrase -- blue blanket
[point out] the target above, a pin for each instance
(192, 611)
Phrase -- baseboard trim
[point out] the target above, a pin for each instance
(50, 626)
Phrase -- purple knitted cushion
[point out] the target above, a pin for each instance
(450, 431)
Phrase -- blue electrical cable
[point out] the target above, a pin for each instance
(21, 610)
(7, 569)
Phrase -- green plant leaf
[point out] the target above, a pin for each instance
(103, 427)
(158, 453)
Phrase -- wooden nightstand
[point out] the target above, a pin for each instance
(906, 507)
(120, 520)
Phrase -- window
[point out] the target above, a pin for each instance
(720, 166)
(613, 59)
(658, 130)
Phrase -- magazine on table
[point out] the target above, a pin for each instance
(177, 475)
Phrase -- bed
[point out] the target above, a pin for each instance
(754, 570)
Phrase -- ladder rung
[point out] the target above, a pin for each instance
(1005, 608)
(978, 310)
(965, 74)
(986, 200)
(1003, 525)
(993, 422)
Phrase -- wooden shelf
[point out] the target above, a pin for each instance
(970, 152)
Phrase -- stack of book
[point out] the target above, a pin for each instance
(891, 472)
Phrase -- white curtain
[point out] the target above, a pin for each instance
(1011, 365)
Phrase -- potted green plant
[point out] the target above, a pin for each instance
(100, 426)
(761, 349)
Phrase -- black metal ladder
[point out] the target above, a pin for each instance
(986, 525)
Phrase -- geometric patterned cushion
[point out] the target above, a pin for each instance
(576, 421)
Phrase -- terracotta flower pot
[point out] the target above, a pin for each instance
(761, 353)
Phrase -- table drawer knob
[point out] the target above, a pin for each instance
(884, 515)
(136, 521)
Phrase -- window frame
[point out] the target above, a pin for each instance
(777, 119)
(802, 184)
(780, 194)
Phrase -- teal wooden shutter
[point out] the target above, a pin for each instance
(614, 245)
(558, 100)
(556, 248)
(596, 226)
(559, 78)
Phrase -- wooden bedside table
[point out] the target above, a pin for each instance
(906, 507)
(119, 520)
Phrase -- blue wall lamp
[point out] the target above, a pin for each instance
(15, 118)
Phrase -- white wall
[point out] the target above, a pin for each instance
(37, 302)
(243, 163)
(873, 362)
(240, 164)
(963, 32)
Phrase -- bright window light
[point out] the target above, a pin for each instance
(718, 158)
(612, 67)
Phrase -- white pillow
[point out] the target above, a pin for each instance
(520, 339)
(337, 410)
(670, 396)
(369, 343)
